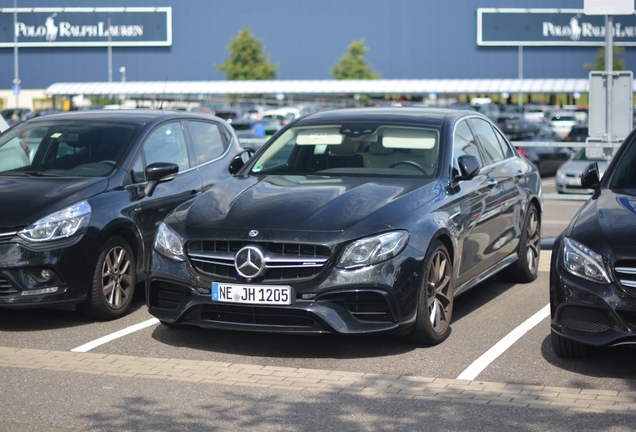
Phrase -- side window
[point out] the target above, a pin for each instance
(488, 139)
(505, 145)
(464, 142)
(137, 171)
(207, 141)
(166, 144)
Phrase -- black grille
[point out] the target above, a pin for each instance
(364, 305)
(216, 259)
(585, 319)
(6, 287)
(166, 295)
(5, 237)
(258, 315)
(626, 275)
(628, 316)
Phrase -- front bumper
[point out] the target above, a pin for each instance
(379, 298)
(590, 313)
(43, 275)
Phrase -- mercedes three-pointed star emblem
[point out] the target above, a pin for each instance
(249, 262)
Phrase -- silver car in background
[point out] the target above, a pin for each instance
(568, 176)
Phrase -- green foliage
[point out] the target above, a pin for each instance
(352, 65)
(247, 61)
(618, 63)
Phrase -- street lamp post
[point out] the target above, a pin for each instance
(16, 79)
(122, 70)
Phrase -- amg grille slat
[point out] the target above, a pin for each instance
(626, 275)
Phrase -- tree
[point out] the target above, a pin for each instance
(618, 63)
(247, 61)
(352, 65)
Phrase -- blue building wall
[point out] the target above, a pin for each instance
(408, 39)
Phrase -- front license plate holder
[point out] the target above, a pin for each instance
(252, 294)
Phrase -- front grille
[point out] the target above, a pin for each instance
(166, 295)
(626, 275)
(5, 237)
(364, 305)
(6, 287)
(258, 315)
(628, 316)
(585, 319)
(284, 261)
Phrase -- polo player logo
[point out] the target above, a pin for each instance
(576, 29)
(51, 28)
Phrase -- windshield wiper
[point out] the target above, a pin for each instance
(40, 174)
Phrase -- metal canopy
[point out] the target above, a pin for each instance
(148, 89)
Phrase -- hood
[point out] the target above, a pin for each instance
(25, 200)
(307, 203)
(606, 225)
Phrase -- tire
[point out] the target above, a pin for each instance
(114, 280)
(568, 348)
(436, 298)
(526, 268)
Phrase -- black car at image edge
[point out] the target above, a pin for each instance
(352, 221)
(82, 194)
(593, 266)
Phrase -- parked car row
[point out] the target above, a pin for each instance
(365, 220)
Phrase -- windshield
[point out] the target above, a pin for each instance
(625, 172)
(71, 148)
(352, 149)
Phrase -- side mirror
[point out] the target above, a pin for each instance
(469, 167)
(159, 172)
(590, 179)
(239, 161)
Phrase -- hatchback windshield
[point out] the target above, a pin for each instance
(352, 149)
(78, 149)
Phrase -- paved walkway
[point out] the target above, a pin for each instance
(310, 380)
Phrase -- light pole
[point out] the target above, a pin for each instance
(16, 79)
(110, 53)
(122, 70)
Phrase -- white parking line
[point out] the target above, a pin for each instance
(500, 347)
(102, 340)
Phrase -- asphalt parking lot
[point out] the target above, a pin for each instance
(61, 371)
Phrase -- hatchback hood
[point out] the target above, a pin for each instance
(606, 225)
(307, 203)
(26, 200)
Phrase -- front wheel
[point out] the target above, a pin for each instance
(435, 306)
(565, 348)
(114, 281)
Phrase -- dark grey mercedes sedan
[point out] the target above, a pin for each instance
(352, 221)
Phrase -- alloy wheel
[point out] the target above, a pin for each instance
(534, 241)
(117, 277)
(440, 300)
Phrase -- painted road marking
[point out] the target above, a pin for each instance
(500, 347)
(102, 340)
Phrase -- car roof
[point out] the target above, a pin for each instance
(408, 115)
(123, 115)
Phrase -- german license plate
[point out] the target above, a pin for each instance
(262, 294)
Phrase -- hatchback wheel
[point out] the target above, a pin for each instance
(114, 281)
(435, 307)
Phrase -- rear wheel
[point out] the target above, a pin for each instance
(435, 306)
(526, 269)
(114, 281)
(564, 347)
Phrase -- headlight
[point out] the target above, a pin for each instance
(373, 250)
(584, 262)
(168, 243)
(64, 223)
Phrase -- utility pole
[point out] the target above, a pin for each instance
(16, 78)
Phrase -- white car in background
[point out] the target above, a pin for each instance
(568, 176)
(561, 122)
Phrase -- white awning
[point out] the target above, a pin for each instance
(149, 89)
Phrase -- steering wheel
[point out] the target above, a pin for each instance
(408, 162)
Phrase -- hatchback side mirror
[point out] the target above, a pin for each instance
(590, 179)
(469, 167)
(239, 161)
(159, 172)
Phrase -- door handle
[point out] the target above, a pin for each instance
(520, 174)
(491, 183)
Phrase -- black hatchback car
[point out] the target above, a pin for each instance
(593, 269)
(82, 194)
(352, 221)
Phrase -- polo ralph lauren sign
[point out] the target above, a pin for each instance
(86, 27)
(550, 27)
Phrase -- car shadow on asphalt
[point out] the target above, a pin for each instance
(478, 296)
(40, 318)
(616, 363)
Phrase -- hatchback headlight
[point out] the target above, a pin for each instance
(168, 243)
(584, 262)
(373, 250)
(64, 223)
